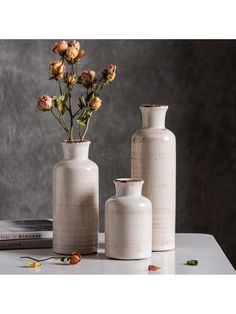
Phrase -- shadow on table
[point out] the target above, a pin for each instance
(100, 256)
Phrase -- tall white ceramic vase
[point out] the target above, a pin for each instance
(75, 201)
(128, 222)
(153, 158)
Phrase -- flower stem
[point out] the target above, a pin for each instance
(75, 114)
(86, 129)
(71, 118)
(64, 126)
(44, 259)
(60, 87)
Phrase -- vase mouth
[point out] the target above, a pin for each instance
(76, 142)
(153, 106)
(128, 180)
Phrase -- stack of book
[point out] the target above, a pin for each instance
(25, 234)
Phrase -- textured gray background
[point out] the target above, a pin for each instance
(195, 78)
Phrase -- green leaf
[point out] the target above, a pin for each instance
(192, 262)
(82, 103)
(67, 95)
(83, 120)
(59, 103)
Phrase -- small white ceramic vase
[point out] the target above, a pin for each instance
(128, 222)
(153, 158)
(75, 201)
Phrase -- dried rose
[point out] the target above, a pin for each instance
(57, 69)
(45, 103)
(71, 54)
(109, 74)
(80, 55)
(74, 259)
(70, 79)
(95, 103)
(34, 264)
(78, 254)
(87, 78)
(153, 268)
(74, 43)
(111, 69)
(60, 47)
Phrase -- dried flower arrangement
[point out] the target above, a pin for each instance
(61, 106)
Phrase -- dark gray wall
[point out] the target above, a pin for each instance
(196, 78)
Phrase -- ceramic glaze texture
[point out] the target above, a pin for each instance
(128, 222)
(153, 158)
(75, 201)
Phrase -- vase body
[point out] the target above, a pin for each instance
(75, 201)
(128, 222)
(153, 158)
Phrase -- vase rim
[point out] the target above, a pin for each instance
(76, 142)
(128, 180)
(153, 106)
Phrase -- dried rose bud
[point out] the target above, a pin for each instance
(87, 78)
(95, 103)
(45, 103)
(70, 79)
(74, 43)
(78, 254)
(111, 69)
(153, 268)
(74, 259)
(71, 54)
(34, 264)
(60, 47)
(109, 74)
(57, 69)
(80, 55)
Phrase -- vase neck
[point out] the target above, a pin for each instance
(128, 187)
(76, 150)
(153, 116)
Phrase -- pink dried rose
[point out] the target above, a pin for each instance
(74, 43)
(60, 47)
(153, 268)
(95, 103)
(45, 103)
(57, 69)
(87, 78)
(111, 69)
(109, 74)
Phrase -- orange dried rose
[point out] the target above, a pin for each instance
(74, 259)
(153, 267)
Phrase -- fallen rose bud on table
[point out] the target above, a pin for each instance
(73, 259)
(153, 268)
(34, 264)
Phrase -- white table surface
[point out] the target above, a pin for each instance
(202, 247)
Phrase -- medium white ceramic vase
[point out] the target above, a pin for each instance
(153, 158)
(128, 222)
(75, 201)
